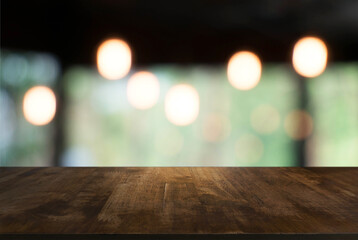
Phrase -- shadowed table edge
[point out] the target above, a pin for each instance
(244, 236)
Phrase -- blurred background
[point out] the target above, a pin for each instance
(179, 83)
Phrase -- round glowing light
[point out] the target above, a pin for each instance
(182, 105)
(310, 57)
(114, 59)
(39, 105)
(249, 149)
(298, 124)
(265, 119)
(14, 69)
(216, 128)
(244, 70)
(143, 90)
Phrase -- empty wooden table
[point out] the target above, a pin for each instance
(179, 203)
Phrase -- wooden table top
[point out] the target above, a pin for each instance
(178, 200)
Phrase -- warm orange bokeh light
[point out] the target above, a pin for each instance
(298, 124)
(143, 90)
(265, 119)
(114, 59)
(216, 127)
(39, 105)
(244, 70)
(310, 57)
(182, 104)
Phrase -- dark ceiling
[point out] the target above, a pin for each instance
(179, 31)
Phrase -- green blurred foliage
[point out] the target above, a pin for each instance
(103, 129)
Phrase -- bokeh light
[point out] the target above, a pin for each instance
(249, 149)
(44, 69)
(298, 124)
(309, 57)
(114, 59)
(39, 105)
(265, 119)
(182, 104)
(14, 69)
(244, 70)
(143, 90)
(215, 128)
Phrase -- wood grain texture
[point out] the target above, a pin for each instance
(178, 200)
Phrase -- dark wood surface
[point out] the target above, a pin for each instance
(178, 200)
